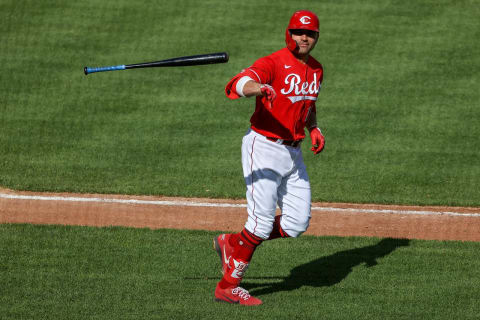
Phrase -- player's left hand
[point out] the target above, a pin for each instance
(318, 140)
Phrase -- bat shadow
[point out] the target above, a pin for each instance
(329, 270)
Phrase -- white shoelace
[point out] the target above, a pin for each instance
(242, 293)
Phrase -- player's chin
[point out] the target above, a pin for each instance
(304, 49)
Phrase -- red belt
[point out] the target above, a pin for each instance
(290, 143)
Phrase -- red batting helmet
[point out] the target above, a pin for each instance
(302, 19)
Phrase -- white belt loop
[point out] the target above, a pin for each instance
(279, 141)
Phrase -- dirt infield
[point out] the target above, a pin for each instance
(338, 219)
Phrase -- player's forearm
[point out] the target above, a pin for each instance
(247, 87)
(311, 120)
(252, 88)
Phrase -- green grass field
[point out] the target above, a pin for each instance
(399, 105)
(120, 273)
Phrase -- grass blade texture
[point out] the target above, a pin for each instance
(399, 105)
(54, 272)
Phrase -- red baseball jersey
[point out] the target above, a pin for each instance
(297, 86)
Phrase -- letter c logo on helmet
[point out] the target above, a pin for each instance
(302, 19)
(305, 20)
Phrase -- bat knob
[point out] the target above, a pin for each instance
(85, 70)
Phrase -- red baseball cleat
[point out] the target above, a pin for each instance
(224, 250)
(236, 295)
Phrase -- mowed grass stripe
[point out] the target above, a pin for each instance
(399, 104)
(57, 272)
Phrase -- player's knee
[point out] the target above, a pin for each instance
(295, 226)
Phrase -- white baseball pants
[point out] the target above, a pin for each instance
(275, 174)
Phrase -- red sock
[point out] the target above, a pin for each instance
(277, 231)
(247, 242)
(244, 244)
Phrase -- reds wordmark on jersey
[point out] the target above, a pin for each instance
(297, 86)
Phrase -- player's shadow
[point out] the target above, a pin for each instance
(330, 270)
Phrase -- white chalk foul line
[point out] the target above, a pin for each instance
(230, 205)
(123, 201)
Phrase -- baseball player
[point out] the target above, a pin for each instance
(286, 84)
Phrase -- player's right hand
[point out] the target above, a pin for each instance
(269, 93)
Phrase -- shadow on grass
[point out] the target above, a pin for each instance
(330, 270)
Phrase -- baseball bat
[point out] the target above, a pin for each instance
(196, 60)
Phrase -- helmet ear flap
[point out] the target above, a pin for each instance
(291, 44)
